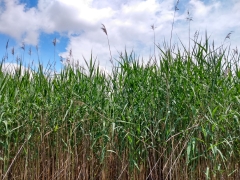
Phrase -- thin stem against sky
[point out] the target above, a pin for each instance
(154, 44)
(105, 31)
(189, 18)
(175, 10)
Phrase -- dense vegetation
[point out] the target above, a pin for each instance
(176, 117)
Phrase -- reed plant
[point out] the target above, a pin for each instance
(174, 119)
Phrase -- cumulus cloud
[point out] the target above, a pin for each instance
(18, 22)
(12, 68)
(129, 26)
(128, 23)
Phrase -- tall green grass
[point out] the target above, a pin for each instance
(175, 118)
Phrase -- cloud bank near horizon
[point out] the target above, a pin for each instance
(128, 23)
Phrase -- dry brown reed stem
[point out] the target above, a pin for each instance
(20, 149)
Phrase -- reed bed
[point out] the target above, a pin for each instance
(175, 118)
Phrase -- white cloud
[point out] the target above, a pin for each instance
(12, 68)
(202, 10)
(18, 22)
(129, 26)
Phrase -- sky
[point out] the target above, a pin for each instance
(31, 26)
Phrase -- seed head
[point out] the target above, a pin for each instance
(54, 41)
(7, 44)
(153, 27)
(228, 35)
(30, 51)
(13, 51)
(104, 29)
(23, 46)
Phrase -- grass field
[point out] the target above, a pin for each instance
(176, 117)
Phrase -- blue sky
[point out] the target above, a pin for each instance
(76, 25)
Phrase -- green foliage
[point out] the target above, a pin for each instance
(178, 114)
